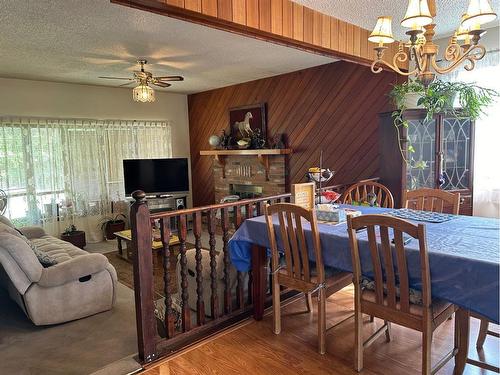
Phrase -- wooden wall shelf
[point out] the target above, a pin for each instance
(262, 155)
(264, 151)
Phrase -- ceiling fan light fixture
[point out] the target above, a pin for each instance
(143, 94)
(417, 14)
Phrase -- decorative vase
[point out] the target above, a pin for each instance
(214, 141)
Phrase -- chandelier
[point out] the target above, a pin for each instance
(143, 93)
(420, 53)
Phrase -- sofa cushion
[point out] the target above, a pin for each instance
(59, 250)
(6, 221)
(10, 230)
(19, 261)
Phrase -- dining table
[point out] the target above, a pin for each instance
(464, 259)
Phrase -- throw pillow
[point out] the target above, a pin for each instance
(46, 260)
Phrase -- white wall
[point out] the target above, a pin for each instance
(62, 100)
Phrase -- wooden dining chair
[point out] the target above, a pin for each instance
(365, 191)
(484, 330)
(434, 200)
(296, 271)
(387, 299)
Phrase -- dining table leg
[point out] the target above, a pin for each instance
(463, 317)
(259, 258)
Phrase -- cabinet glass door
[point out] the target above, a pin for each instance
(456, 151)
(421, 136)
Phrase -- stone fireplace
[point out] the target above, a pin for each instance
(249, 173)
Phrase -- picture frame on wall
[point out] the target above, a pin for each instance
(246, 119)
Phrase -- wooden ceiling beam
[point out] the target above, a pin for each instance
(278, 21)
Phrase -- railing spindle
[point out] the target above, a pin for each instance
(240, 297)
(200, 304)
(214, 297)
(167, 278)
(227, 282)
(249, 208)
(186, 312)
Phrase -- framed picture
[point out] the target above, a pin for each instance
(245, 120)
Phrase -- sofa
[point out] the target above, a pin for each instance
(52, 280)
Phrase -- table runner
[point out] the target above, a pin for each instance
(464, 256)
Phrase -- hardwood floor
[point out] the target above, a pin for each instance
(252, 347)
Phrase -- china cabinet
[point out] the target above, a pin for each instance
(443, 155)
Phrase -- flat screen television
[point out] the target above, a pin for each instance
(156, 176)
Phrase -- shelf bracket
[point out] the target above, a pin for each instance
(221, 159)
(264, 160)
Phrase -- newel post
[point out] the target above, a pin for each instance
(143, 277)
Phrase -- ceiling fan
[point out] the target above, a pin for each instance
(143, 76)
(144, 93)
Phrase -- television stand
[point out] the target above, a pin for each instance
(165, 202)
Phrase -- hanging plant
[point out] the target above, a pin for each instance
(439, 97)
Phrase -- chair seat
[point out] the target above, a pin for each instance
(437, 307)
(335, 279)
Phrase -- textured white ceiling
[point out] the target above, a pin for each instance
(77, 41)
(364, 13)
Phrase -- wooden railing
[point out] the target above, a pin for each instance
(230, 292)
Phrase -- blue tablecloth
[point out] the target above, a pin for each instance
(464, 256)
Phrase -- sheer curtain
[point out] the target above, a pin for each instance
(487, 134)
(58, 172)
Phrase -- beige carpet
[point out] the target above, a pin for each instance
(79, 347)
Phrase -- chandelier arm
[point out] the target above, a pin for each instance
(377, 68)
(469, 56)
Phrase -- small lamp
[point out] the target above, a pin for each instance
(417, 14)
(143, 93)
(479, 12)
(382, 33)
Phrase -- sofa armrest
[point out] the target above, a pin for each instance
(32, 232)
(72, 270)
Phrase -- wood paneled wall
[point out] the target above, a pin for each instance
(281, 21)
(333, 107)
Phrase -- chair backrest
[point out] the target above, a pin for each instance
(434, 200)
(293, 240)
(384, 268)
(360, 192)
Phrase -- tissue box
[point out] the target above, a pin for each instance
(336, 215)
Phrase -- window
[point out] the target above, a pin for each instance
(58, 168)
(487, 133)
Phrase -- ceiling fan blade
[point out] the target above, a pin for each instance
(170, 78)
(161, 84)
(120, 78)
(126, 84)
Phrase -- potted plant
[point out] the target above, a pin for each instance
(406, 95)
(110, 225)
(439, 97)
(74, 236)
